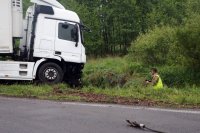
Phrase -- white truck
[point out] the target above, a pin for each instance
(50, 41)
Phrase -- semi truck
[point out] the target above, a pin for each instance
(46, 45)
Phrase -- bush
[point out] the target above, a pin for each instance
(108, 72)
(189, 39)
(134, 66)
(176, 51)
(106, 79)
(157, 47)
(173, 75)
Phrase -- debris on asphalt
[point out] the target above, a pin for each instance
(141, 126)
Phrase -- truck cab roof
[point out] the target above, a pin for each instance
(52, 3)
(59, 10)
(64, 14)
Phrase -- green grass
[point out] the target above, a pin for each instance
(115, 64)
(44, 92)
(133, 88)
(105, 77)
(186, 96)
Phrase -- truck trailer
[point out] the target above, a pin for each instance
(46, 45)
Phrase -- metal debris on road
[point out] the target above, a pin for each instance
(141, 126)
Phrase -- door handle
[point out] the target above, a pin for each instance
(58, 53)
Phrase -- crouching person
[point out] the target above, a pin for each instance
(156, 81)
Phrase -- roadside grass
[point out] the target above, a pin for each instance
(110, 80)
(168, 97)
(44, 92)
(116, 64)
(172, 96)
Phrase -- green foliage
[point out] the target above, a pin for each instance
(109, 72)
(25, 91)
(33, 91)
(168, 97)
(175, 50)
(115, 24)
(26, 4)
(189, 40)
(175, 75)
(106, 79)
(156, 47)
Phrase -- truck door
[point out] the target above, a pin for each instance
(66, 45)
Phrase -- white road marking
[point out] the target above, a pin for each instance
(134, 108)
(112, 106)
(174, 111)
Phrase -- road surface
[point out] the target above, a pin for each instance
(37, 116)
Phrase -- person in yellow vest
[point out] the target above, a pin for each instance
(156, 81)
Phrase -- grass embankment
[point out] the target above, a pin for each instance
(110, 80)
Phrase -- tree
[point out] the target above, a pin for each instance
(189, 40)
(115, 24)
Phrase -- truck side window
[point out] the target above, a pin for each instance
(65, 32)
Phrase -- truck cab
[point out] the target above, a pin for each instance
(51, 42)
(57, 34)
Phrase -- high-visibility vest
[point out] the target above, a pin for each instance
(159, 84)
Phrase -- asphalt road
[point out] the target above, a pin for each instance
(35, 116)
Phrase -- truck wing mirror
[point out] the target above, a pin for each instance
(85, 28)
(75, 35)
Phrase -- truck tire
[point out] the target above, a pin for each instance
(50, 73)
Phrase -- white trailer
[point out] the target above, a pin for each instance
(51, 42)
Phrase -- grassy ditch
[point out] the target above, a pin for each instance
(111, 80)
(168, 97)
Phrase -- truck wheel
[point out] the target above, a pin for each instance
(50, 73)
